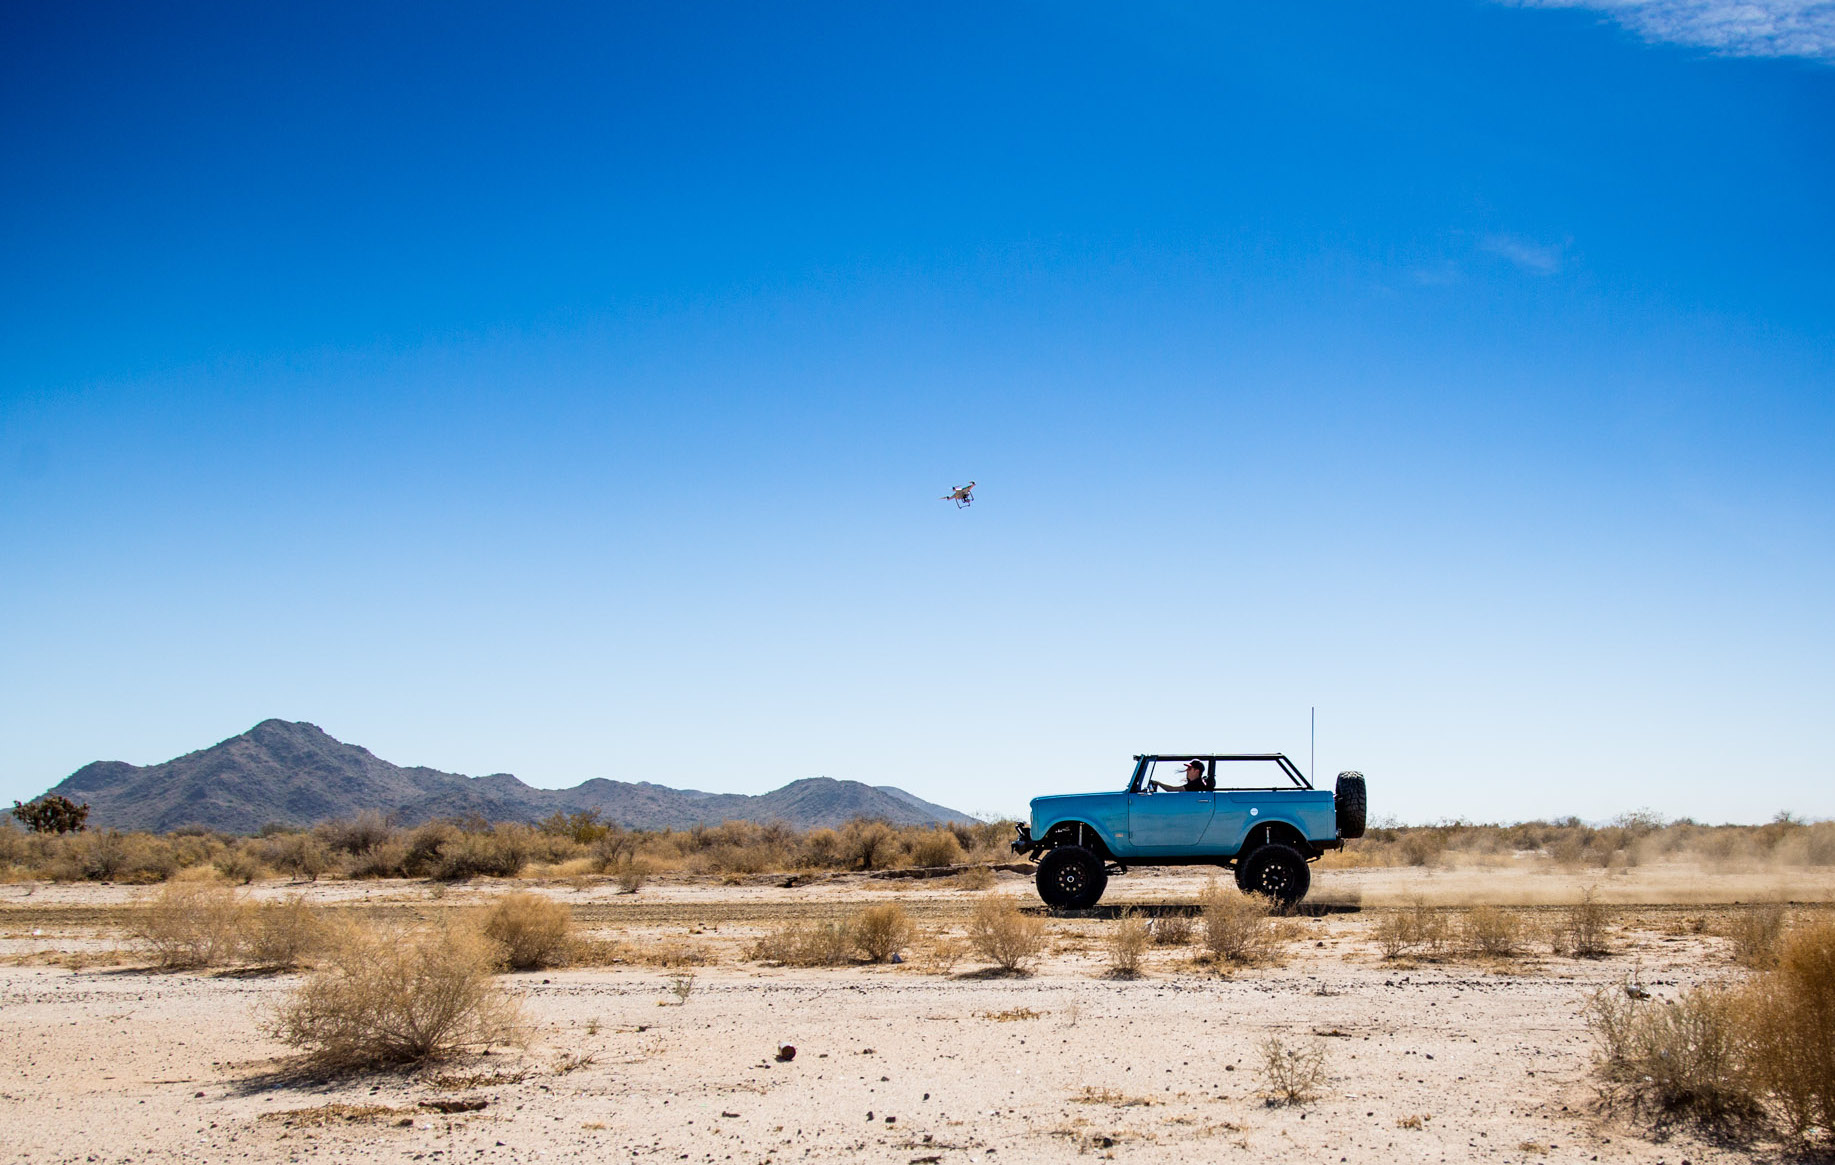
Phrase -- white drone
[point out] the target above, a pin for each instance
(962, 495)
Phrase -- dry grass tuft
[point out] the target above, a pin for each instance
(1112, 1098)
(1000, 933)
(1237, 927)
(1486, 930)
(1292, 1074)
(336, 1113)
(1127, 945)
(1582, 932)
(597, 951)
(531, 929)
(940, 954)
(881, 933)
(1414, 929)
(812, 944)
(573, 1061)
(388, 996)
(1755, 933)
(1011, 1015)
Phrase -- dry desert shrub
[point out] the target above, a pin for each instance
(811, 944)
(286, 933)
(1486, 930)
(1755, 933)
(1000, 933)
(392, 996)
(869, 845)
(1683, 1056)
(975, 878)
(14, 847)
(1790, 1029)
(532, 930)
(1582, 930)
(355, 835)
(303, 856)
(191, 924)
(498, 854)
(1127, 945)
(1236, 927)
(1394, 935)
(114, 857)
(936, 847)
(1172, 930)
(1292, 1073)
(630, 874)
(238, 865)
(882, 932)
(1413, 929)
(386, 860)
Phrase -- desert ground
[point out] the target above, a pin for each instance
(668, 1049)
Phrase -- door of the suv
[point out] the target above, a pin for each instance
(1163, 821)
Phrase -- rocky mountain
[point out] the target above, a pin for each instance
(296, 774)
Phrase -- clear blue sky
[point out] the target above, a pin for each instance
(568, 391)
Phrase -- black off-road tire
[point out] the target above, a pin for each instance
(1071, 878)
(1275, 871)
(1352, 804)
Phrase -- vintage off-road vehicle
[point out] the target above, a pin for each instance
(1253, 813)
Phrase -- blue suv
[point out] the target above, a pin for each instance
(1254, 813)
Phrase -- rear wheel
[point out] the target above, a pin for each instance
(1071, 878)
(1276, 871)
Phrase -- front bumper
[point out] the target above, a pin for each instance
(1022, 841)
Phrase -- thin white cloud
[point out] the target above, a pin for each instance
(1535, 258)
(1740, 28)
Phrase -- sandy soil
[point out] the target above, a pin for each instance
(1434, 1061)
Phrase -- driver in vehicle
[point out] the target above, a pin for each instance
(1194, 779)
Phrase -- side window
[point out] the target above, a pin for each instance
(1172, 773)
(1250, 774)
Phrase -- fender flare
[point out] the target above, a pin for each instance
(1072, 831)
(1279, 830)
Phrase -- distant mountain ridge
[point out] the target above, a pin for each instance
(297, 774)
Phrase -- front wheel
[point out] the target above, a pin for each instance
(1071, 878)
(1275, 871)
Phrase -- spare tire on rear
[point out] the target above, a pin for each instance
(1352, 804)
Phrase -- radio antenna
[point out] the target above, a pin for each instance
(1312, 761)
